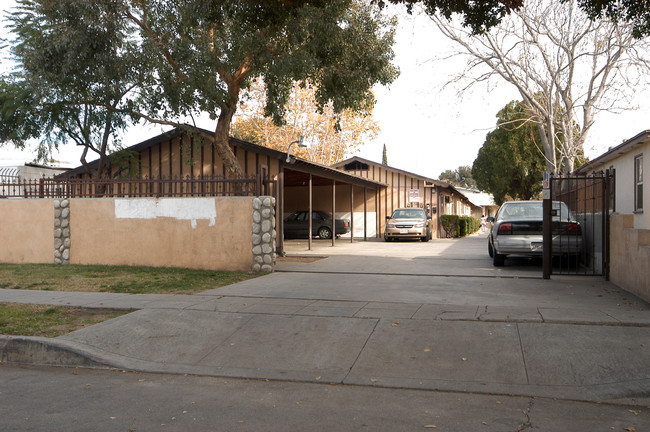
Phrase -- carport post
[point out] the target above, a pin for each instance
(365, 215)
(351, 212)
(279, 211)
(310, 214)
(333, 211)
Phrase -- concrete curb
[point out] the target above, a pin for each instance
(47, 352)
(62, 353)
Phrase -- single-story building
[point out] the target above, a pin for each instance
(629, 223)
(483, 202)
(361, 190)
(175, 160)
(406, 189)
(13, 178)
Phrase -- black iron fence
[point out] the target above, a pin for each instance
(588, 199)
(206, 186)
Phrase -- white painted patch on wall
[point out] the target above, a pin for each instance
(191, 209)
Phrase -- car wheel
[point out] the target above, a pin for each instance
(324, 233)
(425, 238)
(490, 250)
(498, 260)
(387, 239)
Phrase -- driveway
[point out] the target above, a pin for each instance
(429, 316)
(441, 272)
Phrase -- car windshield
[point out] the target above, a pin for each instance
(532, 210)
(409, 214)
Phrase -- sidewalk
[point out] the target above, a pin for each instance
(578, 339)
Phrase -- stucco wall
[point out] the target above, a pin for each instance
(26, 231)
(225, 233)
(205, 233)
(629, 256)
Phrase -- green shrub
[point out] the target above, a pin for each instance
(468, 225)
(450, 225)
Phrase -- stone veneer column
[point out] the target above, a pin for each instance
(264, 234)
(61, 231)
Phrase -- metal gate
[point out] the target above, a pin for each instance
(577, 225)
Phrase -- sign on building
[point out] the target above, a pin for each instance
(414, 195)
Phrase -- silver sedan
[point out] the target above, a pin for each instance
(517, 230)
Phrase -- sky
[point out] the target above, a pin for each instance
(427, 128)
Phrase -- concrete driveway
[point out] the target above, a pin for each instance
(430, 316)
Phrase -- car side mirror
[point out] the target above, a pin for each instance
(387, 217)
(490, 219)
(429, 217)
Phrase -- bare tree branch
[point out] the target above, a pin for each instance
(566, 68)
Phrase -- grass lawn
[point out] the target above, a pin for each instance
(49, 321)
(115, 279)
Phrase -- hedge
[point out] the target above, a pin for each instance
(468, 225)
(450, 225)
(459, 226)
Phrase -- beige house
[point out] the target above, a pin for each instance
(629, 223)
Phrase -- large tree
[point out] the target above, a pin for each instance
(511, 162)
(195, 57)
(566, 68)
(330, 136)
(461, 177)
(202, 54)
(68, 55)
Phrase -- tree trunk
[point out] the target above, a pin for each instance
(222, 134)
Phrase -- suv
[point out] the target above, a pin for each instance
(408, 223)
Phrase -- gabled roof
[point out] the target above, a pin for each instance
(297, 164)
(478, 198)
(437, 183)
(359, 160)
(615, 152)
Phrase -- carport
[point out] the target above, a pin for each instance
(301, 182)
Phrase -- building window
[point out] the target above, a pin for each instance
(638, 183)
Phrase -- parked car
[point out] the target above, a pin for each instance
(297, 225)
(410, 223)
(517, 230)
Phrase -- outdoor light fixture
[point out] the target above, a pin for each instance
(300, 142)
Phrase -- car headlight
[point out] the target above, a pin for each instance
(419, 225)
(390, 225)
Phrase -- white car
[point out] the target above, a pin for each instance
(517, 230)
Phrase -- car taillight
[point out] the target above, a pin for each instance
(574, 228)
(346, 224)
(505, 228)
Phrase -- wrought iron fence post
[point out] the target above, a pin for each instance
(547, 231)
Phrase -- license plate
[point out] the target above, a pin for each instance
(536, 246)
(403, 231)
